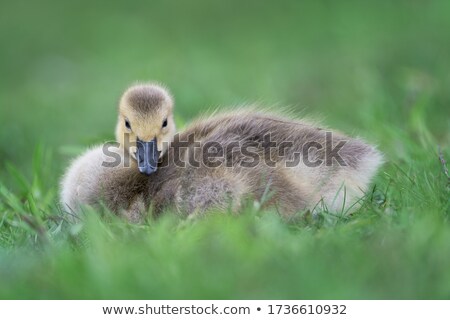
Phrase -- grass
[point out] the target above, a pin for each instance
(377, 70)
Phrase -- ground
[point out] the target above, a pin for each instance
(378, 70)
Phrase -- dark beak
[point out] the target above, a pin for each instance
(147, 156)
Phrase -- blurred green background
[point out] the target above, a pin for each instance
(377, 69)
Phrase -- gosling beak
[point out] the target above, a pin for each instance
(147, 156)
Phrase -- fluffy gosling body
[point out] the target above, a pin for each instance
(145, 115)
(283, 179)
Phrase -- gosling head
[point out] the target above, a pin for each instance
(145, 126)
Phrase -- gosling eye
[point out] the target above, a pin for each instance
(164, 123)
(127, 124)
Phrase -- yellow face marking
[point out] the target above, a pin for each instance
(145, 123)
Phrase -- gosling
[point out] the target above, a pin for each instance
(200, 184)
